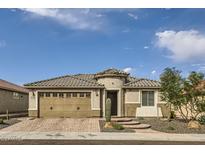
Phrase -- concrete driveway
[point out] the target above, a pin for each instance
(56, 124)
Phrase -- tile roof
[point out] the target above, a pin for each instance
(86, 76)
(92, 77)
(143, 83)
(111, 72)
(66, 82)
(90, 81)
(131, 79)
(12, 87)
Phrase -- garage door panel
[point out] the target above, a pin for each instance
(65, 107)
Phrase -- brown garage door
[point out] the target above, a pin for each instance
(72, 104)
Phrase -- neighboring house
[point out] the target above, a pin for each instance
(13, 98)
(84, 95)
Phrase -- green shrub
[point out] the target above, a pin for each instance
(1, 121)
(170, 128)
(202, 119)
(117, 126)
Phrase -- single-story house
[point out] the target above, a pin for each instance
(13, 98)
(84, 95)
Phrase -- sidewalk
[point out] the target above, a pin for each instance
(100, 136)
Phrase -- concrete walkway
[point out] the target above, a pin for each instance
(100, 136)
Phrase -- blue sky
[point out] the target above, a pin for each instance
(37, 44)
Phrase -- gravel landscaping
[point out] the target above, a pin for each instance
(174, 126)
(102, 129)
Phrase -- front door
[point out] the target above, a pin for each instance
(113, 96)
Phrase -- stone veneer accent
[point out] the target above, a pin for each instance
(131, 109)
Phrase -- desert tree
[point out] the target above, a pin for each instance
(172, 89)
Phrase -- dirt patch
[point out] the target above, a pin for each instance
(102, 129)
(174, 126)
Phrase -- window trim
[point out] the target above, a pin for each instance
(88, 94)
(47, 94)
(60, 95)
(76, 94)
(154, 98)
(54, 94)
(83, 95)
(68, 94)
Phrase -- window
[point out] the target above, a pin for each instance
(87, 95)
(81, 94)
(61, 95)
(75, 94)
(147, 98)
(54, 94)
(68, 94)
(47, 94)
(41, 94)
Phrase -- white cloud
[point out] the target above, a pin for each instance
(133, 16)
(153, 72)
(201, 69)
(127, 48)
(128, 69)
(2, 43)
(146, 47)
(127, 30)
(183, 45)
(83, 19)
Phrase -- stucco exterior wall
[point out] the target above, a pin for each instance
(33, 99)
(134, 97)
(11, 103)
(113, 83)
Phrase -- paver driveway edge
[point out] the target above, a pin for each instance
(56, 124)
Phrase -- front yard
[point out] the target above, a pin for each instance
(174, 126)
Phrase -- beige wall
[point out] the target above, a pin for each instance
(33, 103)
(13, 104)
(133, 96)
(113, 83)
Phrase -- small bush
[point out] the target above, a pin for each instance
(117, 126)
(1, 121)
(140, 118)
(202, 119)
(173, 115)
(170, 128)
